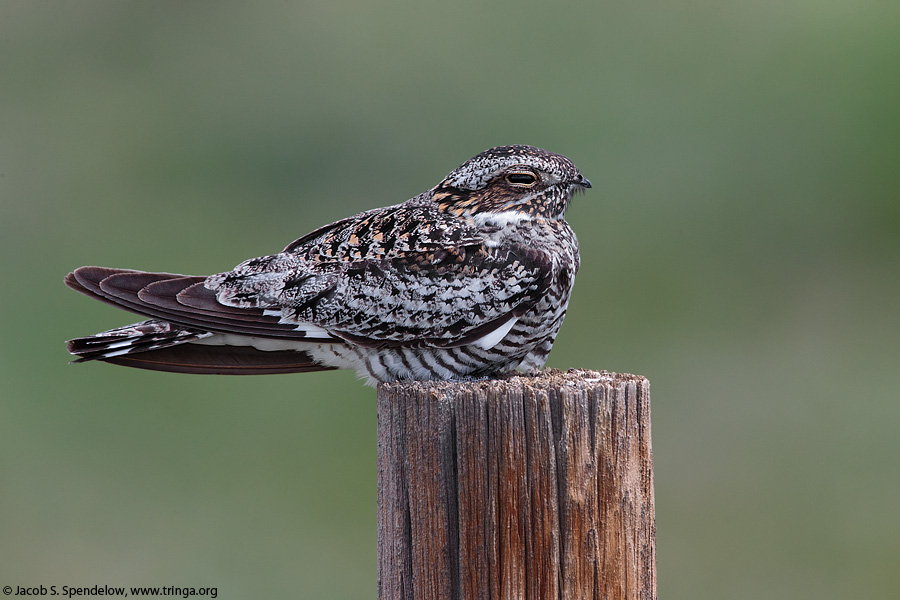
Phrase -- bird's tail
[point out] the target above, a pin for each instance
(161, 346)
(145, 336)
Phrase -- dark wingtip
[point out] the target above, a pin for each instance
(82, 278)
(71, 282)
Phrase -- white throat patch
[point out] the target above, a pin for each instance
(509, 217)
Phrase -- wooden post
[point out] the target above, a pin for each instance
(525, 487)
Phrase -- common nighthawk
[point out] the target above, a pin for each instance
(469, 279)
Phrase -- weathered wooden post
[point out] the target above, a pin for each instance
(526, 487)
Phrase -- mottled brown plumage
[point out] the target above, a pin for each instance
(468, 279)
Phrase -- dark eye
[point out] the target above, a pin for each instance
(521, 178)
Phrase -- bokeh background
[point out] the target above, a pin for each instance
(740, 248)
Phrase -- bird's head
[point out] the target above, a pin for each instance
(519, 181)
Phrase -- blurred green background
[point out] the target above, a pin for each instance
(740, 248)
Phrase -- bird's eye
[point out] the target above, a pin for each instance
(524, 179)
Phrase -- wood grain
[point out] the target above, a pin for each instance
(525, 487)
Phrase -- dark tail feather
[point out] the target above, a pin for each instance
(219, 360)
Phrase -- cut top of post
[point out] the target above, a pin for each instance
(580, 379)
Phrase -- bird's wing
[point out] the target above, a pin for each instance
(402, 276)
(405, 276)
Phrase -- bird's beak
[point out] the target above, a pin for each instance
(583, 182)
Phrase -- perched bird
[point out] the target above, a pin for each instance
(466, 280)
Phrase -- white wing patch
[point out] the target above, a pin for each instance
(313, 332)
(488, 341)
(264, 344)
